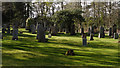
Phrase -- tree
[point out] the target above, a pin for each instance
(69, 19)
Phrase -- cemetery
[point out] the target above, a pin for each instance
(60, 34)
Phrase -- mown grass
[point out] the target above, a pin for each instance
(28, 52)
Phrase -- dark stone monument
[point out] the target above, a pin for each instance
(116, 36)
(54, 30)
(114, 29)
(110, 32)
(49, 35)
(15, 33)
(33, 29)
(84, 40)
(101, 33)
(41, 33)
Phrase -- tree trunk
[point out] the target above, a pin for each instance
(72, 32)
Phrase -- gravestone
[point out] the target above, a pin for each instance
(84, 40)
(110, 31)
(41, 33)
(54, 30)
(116, 36)
(91, 36)
(15, 33)
(82, 30)
(114, 29)
(49, 35)
(33, 29)
(101, 33)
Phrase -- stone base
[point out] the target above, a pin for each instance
(46, 40)
(14, 38)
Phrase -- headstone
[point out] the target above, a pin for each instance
(54, 30)
(33, 29)
(116, 36)
(82, 30)
(49, 35)
(91, 36)
(41, 33)
(84, 40)
(114, 28)
(15, 33)
(49, 30)
(110, 31)
(101, 33)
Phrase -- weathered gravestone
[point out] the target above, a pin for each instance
(49, 35)
(84, 40)
(101, 33)
(114, 29)
(33, 29)
(116, 36)
(54, 30)
(41, 33)
(15, 33)
(110, 31)
(82, 30)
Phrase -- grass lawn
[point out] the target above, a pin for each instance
(28, 52)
